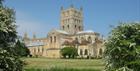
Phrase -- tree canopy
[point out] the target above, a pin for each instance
(123, 48)
(71, 52)
(8, 36)
(21, 49)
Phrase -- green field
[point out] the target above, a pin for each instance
(63, 64)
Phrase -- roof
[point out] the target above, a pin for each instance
(31, 44)
(88, 31)
(61, 31)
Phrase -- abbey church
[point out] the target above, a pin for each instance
(70, 33)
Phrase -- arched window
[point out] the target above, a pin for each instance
(68, 26)
(96, 39)
(76, 38)
(75, 26)
(81, 52)
(89, 39)
(42, 50)
(100, 51)
(54, 38)
(63, 27)
(38, 50)
(51, 39)
(86, 51)
(79, 28)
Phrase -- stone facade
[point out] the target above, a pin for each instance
(71, 33)
(71, 20)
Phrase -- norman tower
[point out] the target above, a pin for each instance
(71, 20)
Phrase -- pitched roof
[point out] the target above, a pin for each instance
(61, 31)
(36, 43)
(88, 31)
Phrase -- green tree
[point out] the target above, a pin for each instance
(123, 48)
(21, 49)
(8, 36)
(71, 52)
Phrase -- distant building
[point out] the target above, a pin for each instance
(71, 33)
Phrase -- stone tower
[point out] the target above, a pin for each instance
(71, 20)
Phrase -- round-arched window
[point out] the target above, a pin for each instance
(79, 28)
(75, 26)
(81, 52)
(86, 51)
(51, 39)
(100, 51)
(54, 38)
(89, 39)
(63, 27)
(68, 26)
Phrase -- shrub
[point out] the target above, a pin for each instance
(21, 49)
(71, 52)
(9, 62)
(123, 48)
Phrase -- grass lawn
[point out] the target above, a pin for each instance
(65, 64)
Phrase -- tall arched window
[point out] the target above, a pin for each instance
(51, 39)
(76, 41)
(38, 50)
(86, 51)
(75, 26)
(79, 28)
(89, 39)
(42, 49)
(76, 38)
(54, 38)
(63, 27)
(81, 52)
(100, 51)
(68, 26)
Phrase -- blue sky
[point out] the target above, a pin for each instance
(40, 16)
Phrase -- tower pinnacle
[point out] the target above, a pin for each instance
(81, 8)
(71, 5)
(62, 8)
(34, 36)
